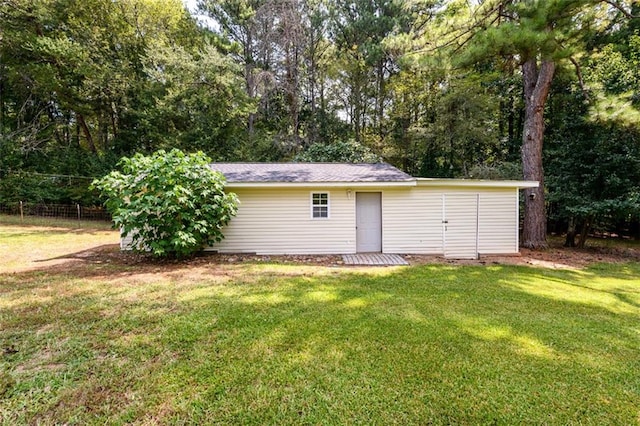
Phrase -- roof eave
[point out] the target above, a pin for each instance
(475, 183)
(341, 184)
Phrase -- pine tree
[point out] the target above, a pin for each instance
(540, 36)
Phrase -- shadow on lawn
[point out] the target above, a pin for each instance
(543, 324)
(93, 262)
(411, 329)
(590, 286)
(624, 297)
(94, 255)
(455, 338)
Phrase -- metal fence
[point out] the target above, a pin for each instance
(68, 211)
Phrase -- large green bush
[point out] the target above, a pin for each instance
(171, 203)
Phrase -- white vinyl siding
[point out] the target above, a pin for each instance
(412, 221)
(277, 221)
(126, 243)
(498, 222)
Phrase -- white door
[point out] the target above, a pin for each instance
(460, 225)
(368, 222)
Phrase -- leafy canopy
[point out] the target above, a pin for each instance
(338, 152)
(171, 203)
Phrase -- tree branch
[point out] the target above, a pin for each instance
(621, 9)
(575, 63)
(482, 20)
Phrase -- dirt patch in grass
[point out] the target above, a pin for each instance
(556, 257)
(113, 254)
(67, 249)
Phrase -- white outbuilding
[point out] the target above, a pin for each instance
(336, 208)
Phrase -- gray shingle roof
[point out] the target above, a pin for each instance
(310, 172)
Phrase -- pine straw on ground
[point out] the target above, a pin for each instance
(556, 257)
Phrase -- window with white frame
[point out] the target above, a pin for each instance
(320, 205)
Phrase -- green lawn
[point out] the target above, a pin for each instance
(91, 340)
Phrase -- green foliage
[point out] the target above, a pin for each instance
(593, 153)
(52, 175)
(459, 128)
(338, 152)
(541, 37)
(593, 168)
(171, 203)
(323, 126)
(464, 130)
(79, 64)
(594, 173)
(612, 72)
(498, 171)
(542, 30)
(359, 29)
(199, 103)
(41, 188)
(84, 83)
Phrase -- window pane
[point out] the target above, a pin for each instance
(320, 205)
(320, 211)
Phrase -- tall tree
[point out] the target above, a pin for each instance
(76, 67)
(83, 83)
(359, 29)
(237, 22)
(540, 36)
(198, 102)
(593, 148)
(593, 167)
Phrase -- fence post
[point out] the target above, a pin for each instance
(78, 207)
(21, 213)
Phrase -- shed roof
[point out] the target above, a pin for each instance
(310, 172)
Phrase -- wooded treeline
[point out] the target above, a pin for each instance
(435, 88)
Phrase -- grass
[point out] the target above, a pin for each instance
(87, 341)
(52, 222)
(39, 242)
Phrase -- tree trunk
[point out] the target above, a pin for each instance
(293, 88)
(113, 113)
(570, 241)
(313, 123)
(51, 113)
(634, 229)
(1, 99)
(86, 132)
(249, 78)
(357, 111)
(380, 99)
(537, 83)
(586, 227)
